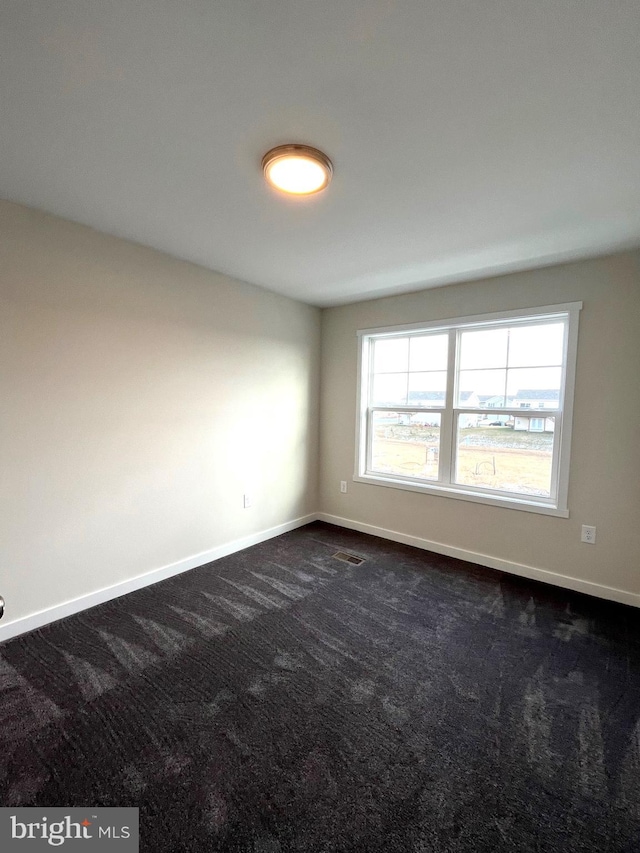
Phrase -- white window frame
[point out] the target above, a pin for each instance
(557, 503)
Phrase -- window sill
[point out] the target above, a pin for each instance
(526, 505)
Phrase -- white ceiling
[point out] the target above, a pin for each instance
(467, 137)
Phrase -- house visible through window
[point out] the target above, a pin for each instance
(441, 407)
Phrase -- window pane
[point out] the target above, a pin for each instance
(390, 389)
(514, 457)
(534, 387)
(427, 389)
(391, 355)
(481, 387)
(429, 352)
(536, 346)
(405, 444)
(486, 348)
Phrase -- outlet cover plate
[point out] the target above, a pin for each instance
(588, 534)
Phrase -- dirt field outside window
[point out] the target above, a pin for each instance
(490, 457)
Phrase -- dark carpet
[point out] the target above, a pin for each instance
(282, 700)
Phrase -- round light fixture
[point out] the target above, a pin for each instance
(297, 169)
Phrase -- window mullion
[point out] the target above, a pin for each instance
(447, 419)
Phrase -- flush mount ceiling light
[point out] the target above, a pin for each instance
(297, 169)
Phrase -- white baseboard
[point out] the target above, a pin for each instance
(599, 590)
(76, 605)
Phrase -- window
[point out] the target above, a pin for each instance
(440, 407)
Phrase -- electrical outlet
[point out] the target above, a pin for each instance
(588, 534)
(343, 487)
(247, 501)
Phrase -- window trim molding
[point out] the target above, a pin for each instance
(556, 506)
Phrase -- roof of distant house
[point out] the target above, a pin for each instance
(538, 394)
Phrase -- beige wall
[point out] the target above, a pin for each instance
(141, 397)
(605, 470)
